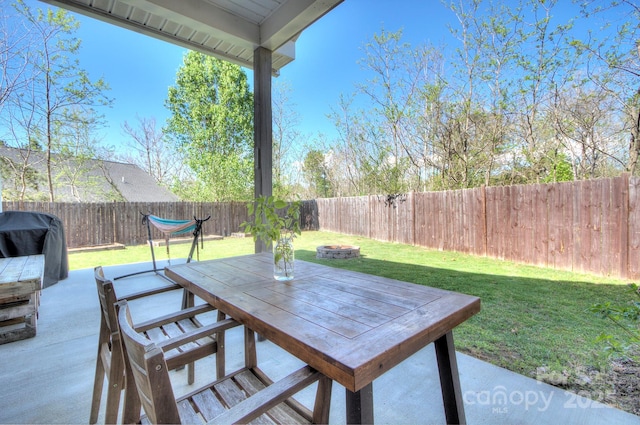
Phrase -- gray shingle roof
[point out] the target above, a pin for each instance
(134, 184)
(95, 180)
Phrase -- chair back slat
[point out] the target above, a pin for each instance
(149, 370)
(107, 297)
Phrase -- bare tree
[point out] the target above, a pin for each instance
(23, 132)
(15, 44)
(510, 106)
(285, 138)
(545, 63)
(151, 151)
(346, 168)
(62, 91)
(15, 41)
(75, 158)
(588, 124)
(619, 53)
(393, 91)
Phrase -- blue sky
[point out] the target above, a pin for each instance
(140, 69)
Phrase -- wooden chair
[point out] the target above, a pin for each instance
(240, 397)
(180, 334)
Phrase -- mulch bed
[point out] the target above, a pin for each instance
(625, 376)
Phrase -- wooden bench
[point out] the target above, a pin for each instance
(20, 286)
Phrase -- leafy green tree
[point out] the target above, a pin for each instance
(315, 172)
(20, 173)
(561, 170)
(212, 124)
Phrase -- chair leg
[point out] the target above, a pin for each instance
(98, 382)
(115, 387)
(191, 373)
(132, 405)
(220, 356)
(188, 300)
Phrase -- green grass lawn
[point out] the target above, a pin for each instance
(533, 319)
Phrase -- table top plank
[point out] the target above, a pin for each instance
(311, 312)
(350, 326)
(21, 275)
(312, 293)
(341, 293)
(11, 269)
(407, 335)
(373, 291)
(33, 268)
(385, 284)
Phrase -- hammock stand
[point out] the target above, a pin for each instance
(169, 228)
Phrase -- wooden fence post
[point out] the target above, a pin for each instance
(624, 227)
(413, 218)
(483, 192)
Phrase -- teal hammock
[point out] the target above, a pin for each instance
(172, 227)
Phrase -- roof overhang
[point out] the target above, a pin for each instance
(227, 29)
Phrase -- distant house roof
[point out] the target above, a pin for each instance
(87, 180)
(135, 185)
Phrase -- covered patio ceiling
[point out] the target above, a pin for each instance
(258, 34)
(227, 29)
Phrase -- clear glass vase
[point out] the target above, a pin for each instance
(283, 259)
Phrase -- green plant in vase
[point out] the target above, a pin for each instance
(276, 223)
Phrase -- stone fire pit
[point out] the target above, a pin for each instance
(337, 251)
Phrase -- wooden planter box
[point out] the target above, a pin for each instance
(20, 286)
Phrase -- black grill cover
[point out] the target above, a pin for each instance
(30, 233)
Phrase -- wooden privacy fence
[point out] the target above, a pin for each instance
(94, 224)
(589, 226)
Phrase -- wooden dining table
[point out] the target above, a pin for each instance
(351, 326)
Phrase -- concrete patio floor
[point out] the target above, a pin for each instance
(48, 379)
